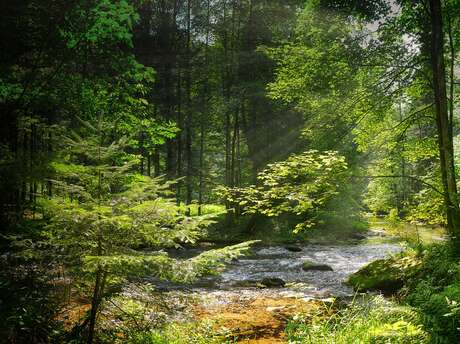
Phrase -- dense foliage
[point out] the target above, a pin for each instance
(300, 185)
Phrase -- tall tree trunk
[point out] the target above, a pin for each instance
(149, 164)
(156, 162)
(226, 89)
(142, 151)
(234, 151)
(179, 134)
(445, 143)
(201, 173)
(204, 109)
(171, 159)
(170, 144)
(95, 302)
(188, 118)
(451, 77)
(238, 149)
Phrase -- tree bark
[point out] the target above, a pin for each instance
(205, 111)
(179, 135)
(188, 118)
(445, 143)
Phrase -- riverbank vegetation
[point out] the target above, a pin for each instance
(137, 132)
(425, 280)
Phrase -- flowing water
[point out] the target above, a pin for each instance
(279, 262)
(236, 300)
(242, 278)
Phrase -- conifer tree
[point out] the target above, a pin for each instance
(103, 214)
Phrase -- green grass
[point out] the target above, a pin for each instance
(374, 320)
(192, 333)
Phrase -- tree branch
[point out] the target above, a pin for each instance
(416, 178)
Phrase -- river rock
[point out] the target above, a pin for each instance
(358, 236)
(377, 232)
(272, 282)
(293, 248)
(312, 266)
(245, 284)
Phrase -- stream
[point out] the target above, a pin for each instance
(238, 303)
(242, 275)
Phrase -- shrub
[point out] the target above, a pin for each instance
(430, 276)
(441, 313)
(393, 217)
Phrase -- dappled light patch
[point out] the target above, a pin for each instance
(256, 320)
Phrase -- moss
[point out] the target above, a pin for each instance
(382, 275)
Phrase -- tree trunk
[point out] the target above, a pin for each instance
(188, 118)
(156, 162)
(179, 135)
(149, 164)
(204, 110)
(226, 89)
(451, 77)
(445, 143)
(98, 293)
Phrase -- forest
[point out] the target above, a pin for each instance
(229, 171)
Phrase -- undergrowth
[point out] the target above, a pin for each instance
(374, 320)
(192, 333)
(430, 284)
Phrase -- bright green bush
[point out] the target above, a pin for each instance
(393, 217)
(301, 185)
(206, 209)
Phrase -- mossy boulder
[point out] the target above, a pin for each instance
(382, 275)
(312, 266)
